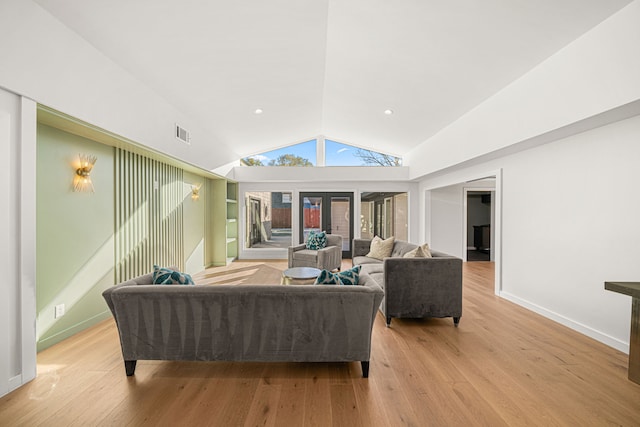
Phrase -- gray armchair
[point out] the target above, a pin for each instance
(327, 258)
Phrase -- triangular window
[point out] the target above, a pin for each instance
(339, 154)
(303, 154)
(336, 154)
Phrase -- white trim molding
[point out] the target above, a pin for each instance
(570, 323)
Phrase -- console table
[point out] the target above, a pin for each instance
(632, 289)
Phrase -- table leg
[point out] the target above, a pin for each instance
(634, 342)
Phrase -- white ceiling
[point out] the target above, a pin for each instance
(328, 67)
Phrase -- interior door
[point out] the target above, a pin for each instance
(331, 212)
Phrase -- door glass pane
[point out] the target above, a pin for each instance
(366, 220)
(268, 219)
(401, 217)
(340, 220)
(311, 215)
(384, 215)
(388, 218)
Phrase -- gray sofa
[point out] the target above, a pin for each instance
(269, 323)
(327, 258)
(414, 287)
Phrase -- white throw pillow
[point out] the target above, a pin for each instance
(419, 252)
(381, 248)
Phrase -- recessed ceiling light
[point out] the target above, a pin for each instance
(258, 111)
(388, 112)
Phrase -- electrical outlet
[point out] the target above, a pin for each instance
(59, 310)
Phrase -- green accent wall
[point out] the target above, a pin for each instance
(141, 214)
(74, 235)
(193, 212)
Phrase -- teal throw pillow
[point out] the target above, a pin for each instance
(167, 276)
(346, 278)
(327, 278)
(316, 240)
(351, 276)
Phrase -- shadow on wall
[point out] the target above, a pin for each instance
(90, 280)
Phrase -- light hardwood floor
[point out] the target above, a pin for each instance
(504, 366)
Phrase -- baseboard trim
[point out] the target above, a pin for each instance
(78, 327)
(15, 382)
(271, 253)
(572, 324)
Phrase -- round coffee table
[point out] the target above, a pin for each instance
(300, 276)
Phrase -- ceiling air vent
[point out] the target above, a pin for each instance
(183, 135)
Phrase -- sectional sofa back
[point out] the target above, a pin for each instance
(361, 248)
(244, 322)
(400, 248)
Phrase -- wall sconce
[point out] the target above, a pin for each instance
(82, 180)
(195, 191)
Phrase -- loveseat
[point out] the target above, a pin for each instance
(413, 287)
(260, 323)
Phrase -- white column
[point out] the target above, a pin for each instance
(320, 150)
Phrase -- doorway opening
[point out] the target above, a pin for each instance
(330, 212)
(479, 219)
(448, 228)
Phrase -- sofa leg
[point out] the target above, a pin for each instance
(388, 321)
(365, 369)
(130, 367)
(456, 320)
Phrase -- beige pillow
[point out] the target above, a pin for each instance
(381, 248)
(419, 252)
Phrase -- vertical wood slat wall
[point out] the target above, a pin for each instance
(149, 216)
(209, 252)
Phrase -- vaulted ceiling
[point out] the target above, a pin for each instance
(328, 67)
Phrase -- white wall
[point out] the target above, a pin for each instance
(581, 231)
(17, 250)
(47, 62)
(357, 187)
(446, 216)
(596, 73)
(446, 220)
(319, 174)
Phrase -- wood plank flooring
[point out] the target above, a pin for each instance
(504, 366)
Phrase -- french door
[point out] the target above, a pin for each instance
(331, 212)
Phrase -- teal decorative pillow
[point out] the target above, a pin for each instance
(167, 276)
(316, 240)
(351, 276)
(347, 277)
(327, 278)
